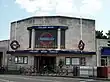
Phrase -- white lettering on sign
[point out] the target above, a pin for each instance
(53, 51)
(45, 27)
(34, 51)
(46, 38)
(43, 51)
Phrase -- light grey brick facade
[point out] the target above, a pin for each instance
(20, 33)
(72, 33)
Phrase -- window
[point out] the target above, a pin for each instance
(75, 61)
(30, 37)
(46, 38)
(25, 60)
(83, 61)
(103, 61)
(68, 61)
(16, 59)
(21, 59)
(62, 40)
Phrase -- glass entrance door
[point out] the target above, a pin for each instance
(41, 61)
(104, 61)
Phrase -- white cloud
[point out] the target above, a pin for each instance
(90, 6)
(61, 7)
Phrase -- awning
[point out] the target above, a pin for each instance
(105, 51)
(51, 52)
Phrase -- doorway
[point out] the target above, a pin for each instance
(104, 61)
(41, 61)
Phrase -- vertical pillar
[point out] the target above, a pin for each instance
(81, 27)
(29, 41)
(108, 61)
(33, 39)
(59, 38)
(3, 59)
(99, 56)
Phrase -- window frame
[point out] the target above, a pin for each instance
(30, 38)
(55, 44)
(17, 62)
(82, 63)
(69, 60)
(75, 58)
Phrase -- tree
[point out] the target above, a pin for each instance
(100, 35)
(108, 34)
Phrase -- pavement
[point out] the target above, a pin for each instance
(21, 78)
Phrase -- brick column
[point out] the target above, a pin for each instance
(99, 56)
(33, 39)
(59, 38)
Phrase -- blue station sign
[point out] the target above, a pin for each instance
(48, 27)
(105, 51)
(51, 52)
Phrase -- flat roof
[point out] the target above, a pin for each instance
(4, 40)
(51, 17)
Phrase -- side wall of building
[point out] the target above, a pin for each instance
(4, 47)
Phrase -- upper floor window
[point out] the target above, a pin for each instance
(62, 39)
(46, 38)
(30, 38)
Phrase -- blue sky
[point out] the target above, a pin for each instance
(11, 10)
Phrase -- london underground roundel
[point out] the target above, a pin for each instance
(81, 45)
(46, 39)
(14, 45)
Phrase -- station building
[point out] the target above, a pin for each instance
(45, 40)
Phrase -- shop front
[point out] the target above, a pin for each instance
(105, 56)
(51, 58)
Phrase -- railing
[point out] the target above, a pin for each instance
(75, 71)
(80, 71)
(57, 71)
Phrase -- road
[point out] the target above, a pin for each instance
(20, 78)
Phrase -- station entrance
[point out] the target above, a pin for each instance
(44, 61)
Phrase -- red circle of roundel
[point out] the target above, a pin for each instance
(81, 45)
(46, 39)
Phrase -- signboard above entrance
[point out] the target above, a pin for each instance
(51, 52)
(48, 27)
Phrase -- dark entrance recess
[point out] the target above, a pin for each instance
(104, 61)
(41, 61)
(1, 55)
